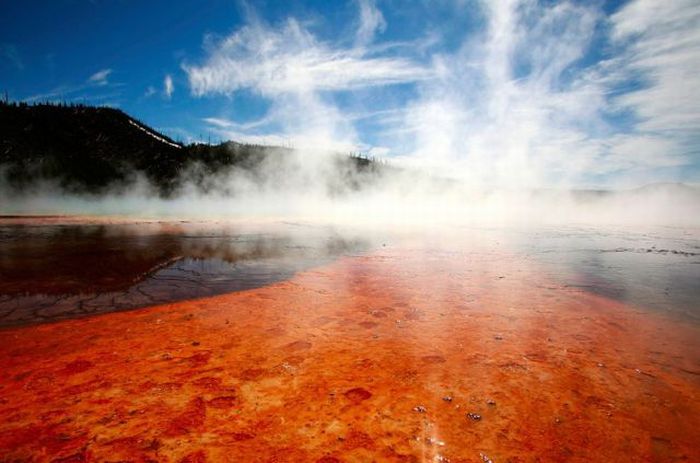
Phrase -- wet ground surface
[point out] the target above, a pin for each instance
(414, 350)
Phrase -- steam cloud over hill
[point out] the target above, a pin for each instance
(70, 159)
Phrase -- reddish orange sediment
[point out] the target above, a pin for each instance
(391, 356)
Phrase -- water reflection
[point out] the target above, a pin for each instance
(657, 269)
(55, 272)
(50, 272)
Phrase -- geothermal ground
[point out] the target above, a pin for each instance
(472, 345)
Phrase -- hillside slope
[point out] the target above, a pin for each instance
(94, 149)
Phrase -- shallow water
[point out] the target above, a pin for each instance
(50, 272)
(657, 268)
(471, 345)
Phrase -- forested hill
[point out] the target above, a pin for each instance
(88, 149)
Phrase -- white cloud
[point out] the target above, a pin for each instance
(296, 72)
(100, 77)
(96, 89)
(371, 22)
(289, 59)
(303, 121)
(489, 122)
(150, 91)
(168, 86)
(513, 105)
(664, 48)
(229, 124)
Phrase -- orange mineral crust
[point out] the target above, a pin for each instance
(400, 354)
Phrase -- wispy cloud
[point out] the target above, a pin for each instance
(96, 89)
(488, 121)
(289, 59)
(662, 43)
(293, 69)
(526, 100)
(100, 77)
(223, 123)
(371, 22)
(168, 86)
(517, 106)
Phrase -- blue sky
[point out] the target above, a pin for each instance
(512, 91)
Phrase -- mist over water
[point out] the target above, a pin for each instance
(395, 198)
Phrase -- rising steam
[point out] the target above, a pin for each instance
(506, 127)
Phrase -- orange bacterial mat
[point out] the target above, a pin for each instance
(400, 354)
